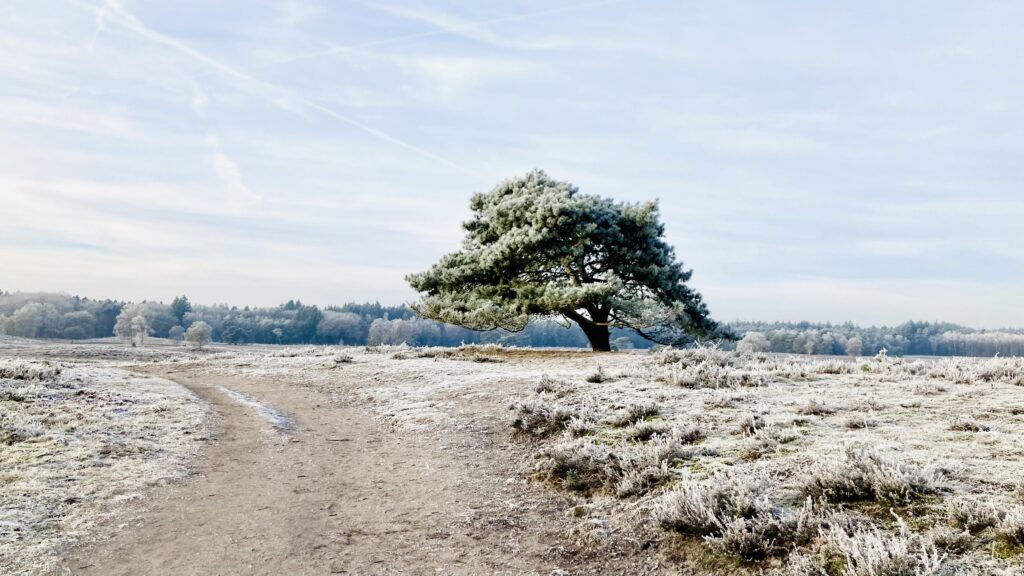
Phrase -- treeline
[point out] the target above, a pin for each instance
(47, 315)
(908, 339)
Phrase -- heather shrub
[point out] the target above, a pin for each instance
(816, 408)
(969, 425)
(627, 469)
(633, 414)
(1011, 526)
(870, 552)
(972, 514)
(539, 419)
(868, 474)
(735, 516)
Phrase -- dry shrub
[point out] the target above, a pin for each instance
(627, 469)
(816, 408)
(735, 516)
(751, 423)
(868, 474)
(972, 514)
(644, 431)
(539, 419)
(860, 422)
(870, 552)
(15, 369)
(969, 425)
(835, 367)
(549, 385)
(633, 414)
(1011, 526)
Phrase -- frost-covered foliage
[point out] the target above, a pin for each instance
(76, 444)
(867, 473)
(752, 343)
(1011, 526)
(735, 515)
(871, 552)
(199, 334)
(625, 469)
(539, 418)
(711, 367)
(972, 514)
(536, 247)
(14, 369)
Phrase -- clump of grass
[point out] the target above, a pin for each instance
(727, 401)
(752, 423)
(735, 516)
(860, 422)
(633, 414)
(972, 514)
(955, 371)
(11, 434)
(870, 552)
(342, 358)
(644, 431)
(587, 466)
(16, 369)
(835, 367)
(868, 474)
(598, 376)
(816, 408)
(950, 540)
(540, 419)
(969, 425)
(709, 367)
(549, 385)
(1011, 526)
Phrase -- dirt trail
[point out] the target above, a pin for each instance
(338, 494)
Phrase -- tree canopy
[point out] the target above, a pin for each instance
(536, 247)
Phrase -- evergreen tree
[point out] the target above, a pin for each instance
(536, 247)
(179, 307)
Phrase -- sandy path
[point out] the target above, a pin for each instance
(339, 494)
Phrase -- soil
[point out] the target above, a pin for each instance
(342, 492)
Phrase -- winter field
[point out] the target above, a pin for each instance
(484, 460)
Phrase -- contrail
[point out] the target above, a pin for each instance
(443, 31)
(277, 95)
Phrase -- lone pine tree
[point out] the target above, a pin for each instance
(535, 247)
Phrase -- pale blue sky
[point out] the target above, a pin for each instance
(814, 160)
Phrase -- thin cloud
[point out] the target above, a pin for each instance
(445, 26)
(478, 31)
(229, 173)
(277, 95)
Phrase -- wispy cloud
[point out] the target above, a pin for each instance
(480, 30)
(809, 162)
(229, 173)
(273, 93)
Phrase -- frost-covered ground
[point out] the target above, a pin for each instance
(77, 443)
(705, 462)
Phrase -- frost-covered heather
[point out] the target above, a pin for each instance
(76, 444)
(888, 449)
(805, 466)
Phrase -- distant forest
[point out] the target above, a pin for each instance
(59, 316)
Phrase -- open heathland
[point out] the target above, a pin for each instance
(483, 459)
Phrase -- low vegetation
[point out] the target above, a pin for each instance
(755, 485)
(79, 443)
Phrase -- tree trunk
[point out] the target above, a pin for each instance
(599, 336)
(596, 328)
